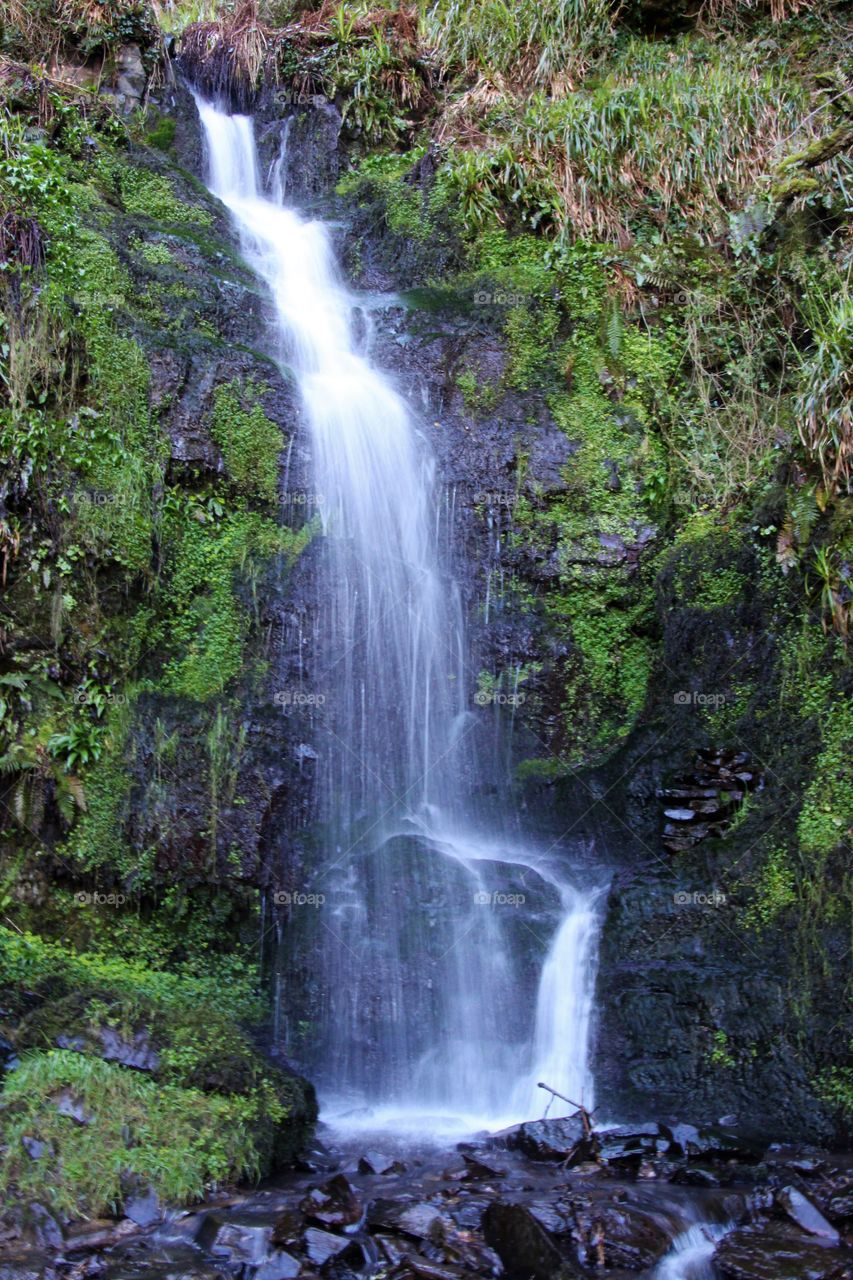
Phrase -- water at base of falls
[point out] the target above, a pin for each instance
(451, 968)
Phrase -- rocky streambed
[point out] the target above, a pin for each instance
(544, 1199)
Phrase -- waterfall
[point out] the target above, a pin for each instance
(435, 932)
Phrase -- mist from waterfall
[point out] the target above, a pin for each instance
(453, 966)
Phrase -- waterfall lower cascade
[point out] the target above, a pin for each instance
(451, 966)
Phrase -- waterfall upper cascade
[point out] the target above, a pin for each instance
(452, 963)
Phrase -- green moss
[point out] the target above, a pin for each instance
(774, 891)
(719, 1055)
(208, 623)
(724, 587)
(153, 196)
(481, 396)
(826, 819)
(156, 253)
(99, 838)
(30, 963)
(531, 335)
(179, 1141)
(380, 179)
(835, 1086)
(610, 673)
(251, 444)
(162, 134)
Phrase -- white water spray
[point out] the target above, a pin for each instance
(430, 940)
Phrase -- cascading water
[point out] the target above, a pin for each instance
(432, 940)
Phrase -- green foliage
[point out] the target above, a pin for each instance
(825, 396)
(99, 838)
(162, 133)
(30, 963)
(152, 196)
(207, 622)
(774, 892)
(835, 1086)
(532, 42)
(826, 820)
(180, 1141)
(250, 442)
(531, 335)
(720, 1055)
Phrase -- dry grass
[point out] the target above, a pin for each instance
(716, 13)
(228, 57)
(46, 30)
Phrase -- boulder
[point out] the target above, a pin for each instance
(629, 1144)
(334, 1204)
(840, 1206)
(615, 1235)
(238, 1236)
(280, 1266)
(801, 1211)
(143, 1207)
(479, 1171)
(320, 1246)
(522, 1244)
(68, 1104)
(26, 1267)
(563, 1140)
(777, 1251)
(712, 1143)
(421, 1221)
(287, 1228)
(376, 1162)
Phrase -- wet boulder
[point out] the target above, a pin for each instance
(777, 1251)
(237, 1236)
(630, 1144)
(287, 1228)
(334, 1204)
(320, 1246)
(839, 1207)
(143, 1207)
(347, 1262)
(801, 1211)
(566, 1140)
(715, 1142)
(480, 1171)
(376, 1162)
(615, 1235)
(26, 1266)
(420, 1221)
(522, 1243)
(279, 1266)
